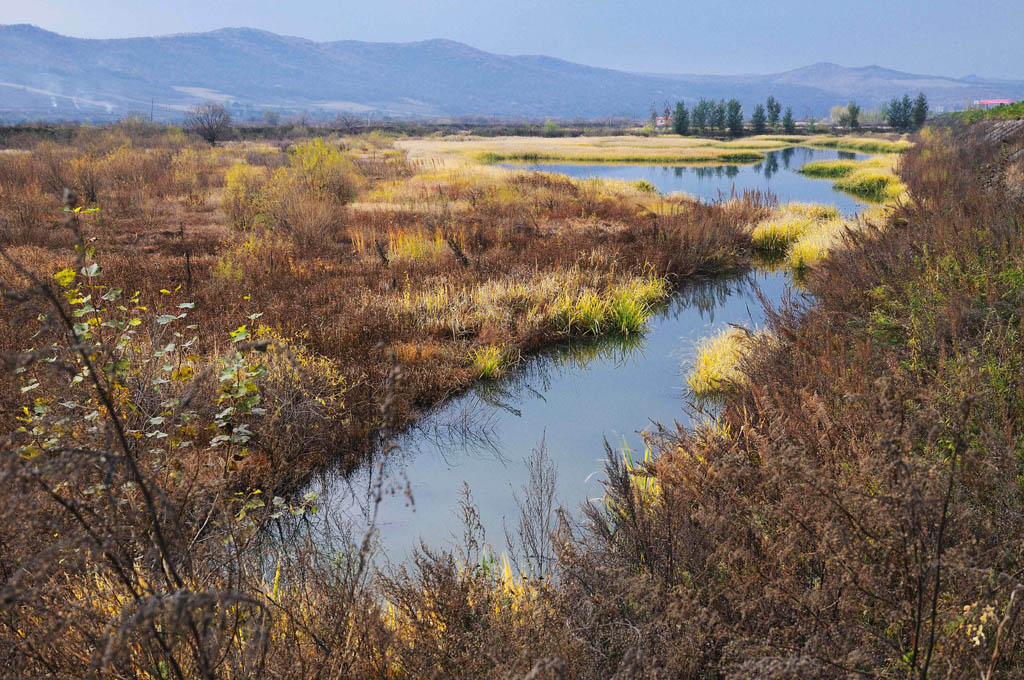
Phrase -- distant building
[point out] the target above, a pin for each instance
(662, 121)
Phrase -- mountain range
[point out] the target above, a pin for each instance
(44, 75)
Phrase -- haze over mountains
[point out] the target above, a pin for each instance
(44, 75)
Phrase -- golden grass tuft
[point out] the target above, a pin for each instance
(814, 246)
(716, 367)
(489, 362)
(873, 179)
(789, 223)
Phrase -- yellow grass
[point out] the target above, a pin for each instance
(667, 148)
(716, 367)
(789, 223)
(814, 246)
(620, 149)
(872, 179)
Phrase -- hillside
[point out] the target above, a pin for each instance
(46, 75)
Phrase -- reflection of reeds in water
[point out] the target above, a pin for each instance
(708, 295)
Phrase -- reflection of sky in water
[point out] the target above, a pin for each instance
(573, 398)
(776, 174)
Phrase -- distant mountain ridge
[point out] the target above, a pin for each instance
(50, 76)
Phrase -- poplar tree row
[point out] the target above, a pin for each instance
(727, 116)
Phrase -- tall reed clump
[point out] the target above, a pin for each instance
(716, 367)
(788, 223)
(489, 362)
(624, 308)
(415, 244)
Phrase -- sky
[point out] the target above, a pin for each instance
(941, 37)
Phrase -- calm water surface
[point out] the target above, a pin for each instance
(776, 174)
(571, 399)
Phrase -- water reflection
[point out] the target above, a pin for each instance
(777, 173)
(573, 397)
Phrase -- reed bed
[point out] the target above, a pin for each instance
(873, 179)
(681, 150)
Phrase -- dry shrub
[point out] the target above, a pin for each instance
(303, 396)
(263, 256)
(52, 167)
(286, 204)
(193, 174)
(130, 177)
(18, 169)
(27, 216)
(267, 158)
(242, 186)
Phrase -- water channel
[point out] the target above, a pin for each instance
(777, 174)
(571, 399)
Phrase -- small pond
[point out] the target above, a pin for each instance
(777, 174)
(570, 399)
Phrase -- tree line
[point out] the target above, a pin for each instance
(901, 113)
(727, 116)
(904, 114)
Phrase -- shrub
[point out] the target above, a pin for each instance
(240, 198)
(287, 205)
(193, 171)
(326, 170)
(25, 215)
(303, 400)
(130, 177)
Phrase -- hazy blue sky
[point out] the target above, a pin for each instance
(947, 37)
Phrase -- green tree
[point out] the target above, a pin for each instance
(920, 112)
(788, 124)
(774, 109)
(699, 117)
(900, 113)
(758, 119)
(734, 118)
(718, 119)
(850, 117)
(681, 119)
